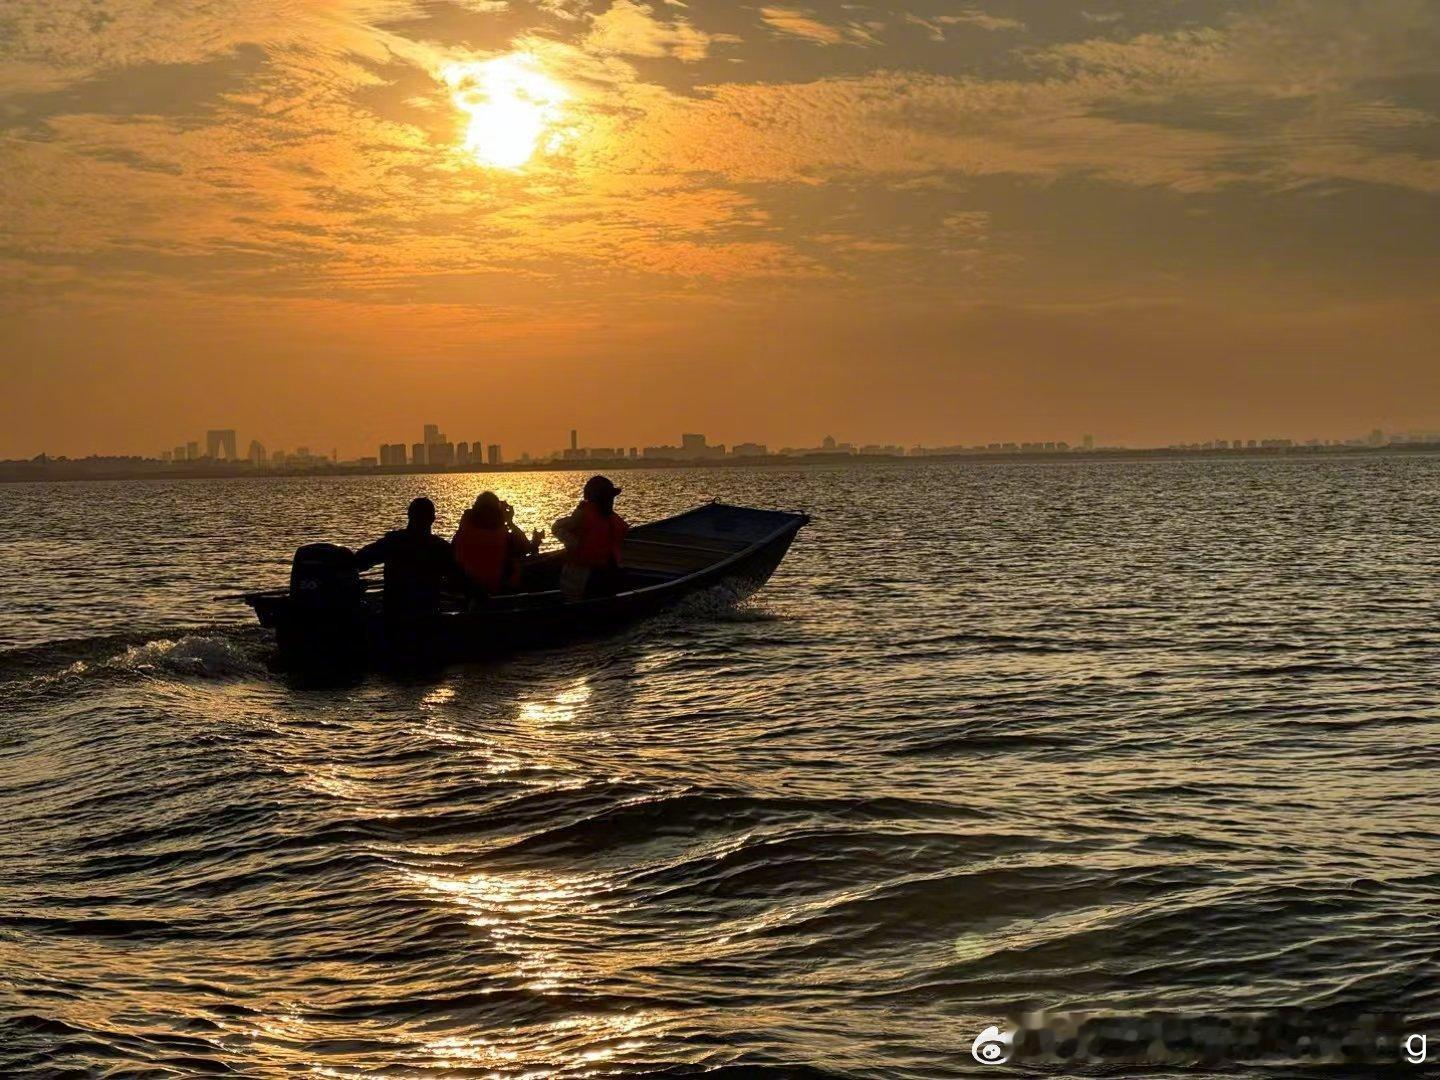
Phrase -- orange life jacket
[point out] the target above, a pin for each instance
(600, 538)
(484, 555)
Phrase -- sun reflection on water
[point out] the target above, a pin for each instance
(441, 695)
(561, 709)
(594, 1038)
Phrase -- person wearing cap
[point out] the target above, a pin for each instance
(418, 564)
(489, 546)
(592, 535)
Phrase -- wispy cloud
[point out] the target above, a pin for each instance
(800, 23)
(51, 42)
(983, 20)
(628, 28)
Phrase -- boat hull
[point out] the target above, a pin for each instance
(741, 549)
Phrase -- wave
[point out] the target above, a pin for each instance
(209, 656)
(182, 653)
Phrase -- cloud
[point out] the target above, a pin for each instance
(937, 26)
(628, 28)
(932, 28)
(803, 24)
(317, 154)
(46, 43)
(1286, 99)
(900, 123)
(981, 19)
(1296, 48)
(1297, 91)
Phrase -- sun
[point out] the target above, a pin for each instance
(514, 108)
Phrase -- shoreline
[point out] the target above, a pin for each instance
(83, 469)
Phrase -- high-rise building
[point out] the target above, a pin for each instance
(462, 453)
(221, 443)
(178, 454)
(418, 455)
(440, 453)
(432, 434)
(574, 439)
(693, 444)
(492, 454)
(1088, 441)
(192, 451)
(256, 454)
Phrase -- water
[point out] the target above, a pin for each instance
(1084, 735)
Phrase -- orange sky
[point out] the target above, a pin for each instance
(327, 222)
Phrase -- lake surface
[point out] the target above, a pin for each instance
(1088, 736)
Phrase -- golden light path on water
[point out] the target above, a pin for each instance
(514, 108)
(514, 908)
(517, 910)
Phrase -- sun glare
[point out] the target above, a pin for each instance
(514, 108)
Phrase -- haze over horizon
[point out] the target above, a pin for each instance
(327, 222)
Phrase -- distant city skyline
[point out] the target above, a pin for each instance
(351, 447)
(436, 449)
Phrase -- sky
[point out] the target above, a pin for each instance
(327, 222)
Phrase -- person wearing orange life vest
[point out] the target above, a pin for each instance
(592, 535)
(489, 547)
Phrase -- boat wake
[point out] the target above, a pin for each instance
(197, 655)
(181, 653)
(232, 652)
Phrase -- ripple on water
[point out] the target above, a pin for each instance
(1121, 736)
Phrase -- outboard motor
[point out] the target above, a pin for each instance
(323, 635)
(324, 580)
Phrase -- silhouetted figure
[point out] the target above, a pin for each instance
(489, 547)
(592, 535)
(418, 564)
